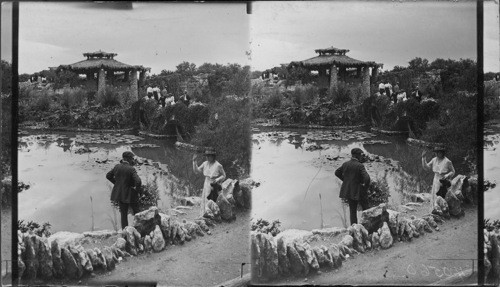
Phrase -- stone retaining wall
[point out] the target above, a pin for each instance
(156, 136)
(302, 252)
(62, 256)
(390, 133)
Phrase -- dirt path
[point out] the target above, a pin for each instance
(204, 261)
(417, 262)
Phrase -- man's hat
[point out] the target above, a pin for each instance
(128, 154)
(439, 148)
(356, 151)
(210, 151)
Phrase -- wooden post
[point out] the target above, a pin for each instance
(333, 79)
(101, 82)
(365, 88)
(133, 85)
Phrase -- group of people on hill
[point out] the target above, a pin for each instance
(396, 94)
(164, 98)
(127, 185)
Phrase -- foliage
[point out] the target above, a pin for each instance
(228, 135)
(491, 100)
(36, 228)
(73, 98)
(297, 74)
(491, 225)
(148, 196)
(6, 70)
(65, 78)
(6, 142)
(378, 192)
(111, 97)
(263, 226)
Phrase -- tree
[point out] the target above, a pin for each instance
(6, 70)
(186, 70)
(418, 64)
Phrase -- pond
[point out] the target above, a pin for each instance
(297, 182)
(492, 169)
(67, 177)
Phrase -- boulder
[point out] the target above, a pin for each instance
(65, 238)
(421, 226)
(244, 194)
(494, 259)
(44, 259)
(323, 258)
(385, 236)
(373, 218)
(72, 270)
(202, 225)
(57, 263)
(190, 201)
(347, 240)
(110, 258)
(102, 260)
(283, 262)
(268, 255)
(130, 234)
(336, 256)
(297, 266)
(148, 244)
(360, 236)
(454, 204)
(30, 258)
(226, 208)
(165, 227)
(121, 243)
(93, 259)
(117, 252)
(193, 229)
(375, 240)
(393, 221)
(430, 220)
(311, 257)
(158, 242)
(80, 256)
(145, 221)
(212, 211)
(295, 235)
(303, 255)
(443, 206)
(21, 267)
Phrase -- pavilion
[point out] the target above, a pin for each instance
(102, 66)
(333, 66)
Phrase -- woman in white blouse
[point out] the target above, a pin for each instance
(213, 172)
(442, 168)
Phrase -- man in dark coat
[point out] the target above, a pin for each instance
(355, 183)
(127, 185)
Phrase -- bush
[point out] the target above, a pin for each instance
(491, 100)
(263, 226)
(42, 101)
(71, 98)
(110, 97)
(378, 192)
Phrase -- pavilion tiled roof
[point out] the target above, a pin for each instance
(328, 60)
(100, 59)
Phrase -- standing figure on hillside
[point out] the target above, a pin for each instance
(381, 88)
(126, 186)
(355, 183)
(185, 98)
(149, 92)
(156, 94)
(442, 168)
(395, 92)
(416, 94)
(214, 174)
(388, 90)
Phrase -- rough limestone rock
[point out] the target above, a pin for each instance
(190, 201)
(71, 268)
(430, 221)
(443, 206)
(21, 267)
(375, 240)
(99, 234)
(57, 263)
(130, 234)
(297, 266)
(385, 236)
(29, 258)
(102, 260)
(148, 244)
(303, 255)
(322, 257)
(268, 255)
(454, 204)
(245, 193)
(93, 259)
(295, 235)
(347, 240)
(336, 256)
(145, 221)
(202, 224)
(331, 231)
(65, 238)
(212, 211)
(393, 221)
(81, 260)
(487, 266)
(494, 258)
(121, 243)
(311, 257)
(193, 229)
(110, 259)
(117, 252)
(45, 259)
(373, 218)
(283, 262)
(165, 227)
(360, 235)
(226, 208)
(421, 226)
(158, 243)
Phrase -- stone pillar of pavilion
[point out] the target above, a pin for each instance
(133, 85)
(142, 78)
(365, 85)
(358, 72)
(101, 82)
(126, 75)
(333, 79)
(374, 74)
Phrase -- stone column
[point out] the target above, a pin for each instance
(365, 84)
(101, 82)
(333, 79)
(374, 74)
(126, 76)
(358, 72)
(133, 85)
(142, 78)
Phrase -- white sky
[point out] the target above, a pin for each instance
(156, 35)
(392, 33)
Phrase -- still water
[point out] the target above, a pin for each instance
(292, 178)
(68, 189)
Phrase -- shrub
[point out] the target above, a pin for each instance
(73, 98)
(263, 226)
(35, 227)
(378, 192)
(491, 99)
(42, 101)
(110, 97)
